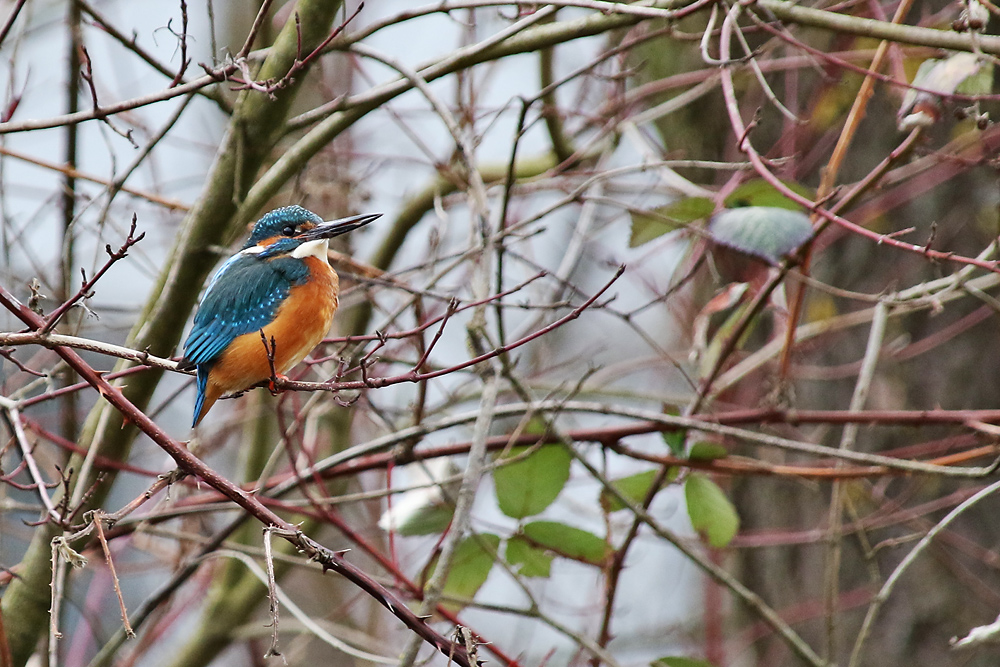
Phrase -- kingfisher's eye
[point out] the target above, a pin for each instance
(288, 231)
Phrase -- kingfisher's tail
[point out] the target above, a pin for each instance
(208, 394)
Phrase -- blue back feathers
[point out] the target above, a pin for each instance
(243, 297)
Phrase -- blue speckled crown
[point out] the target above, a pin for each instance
(272, 223)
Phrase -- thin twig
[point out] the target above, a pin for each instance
(300, 615)
(11, 17)
(272, 593)
(876, 337)
(911, 557)
(98, 519)
(182, 37)
(172, 204)
(13, 418)
(87, 287)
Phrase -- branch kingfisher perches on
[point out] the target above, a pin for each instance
(280, 283)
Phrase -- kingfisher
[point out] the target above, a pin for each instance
(281, 283)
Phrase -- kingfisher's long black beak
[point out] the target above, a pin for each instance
(327, 230)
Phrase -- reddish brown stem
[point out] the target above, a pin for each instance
(191, 464)
(88, 285)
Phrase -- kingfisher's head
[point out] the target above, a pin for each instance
(297, 232)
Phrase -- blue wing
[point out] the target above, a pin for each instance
(243, 297)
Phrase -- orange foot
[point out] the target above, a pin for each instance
(273, 388)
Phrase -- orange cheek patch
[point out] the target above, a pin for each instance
(268, 242)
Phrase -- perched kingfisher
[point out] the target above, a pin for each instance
(280, 282)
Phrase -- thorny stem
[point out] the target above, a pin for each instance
(98, 520)
(86, 288)
(188, 462)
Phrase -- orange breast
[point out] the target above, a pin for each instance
(299, 325)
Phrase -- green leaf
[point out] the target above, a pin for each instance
(568, 541)
(426, 520)
(980, 83)
(707, 451)
(767, 232)
(536, 426)
(474, 558)
(648, 225)
(428, 510)
(634, 487)
(675, 441)
(680, 662)
(710, 356)
(961, 73)
(689, 209)
(526, 487)
(759, 192)
(947, 75)
(527, 559)
(710, 511)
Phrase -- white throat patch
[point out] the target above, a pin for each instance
(317, 249)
